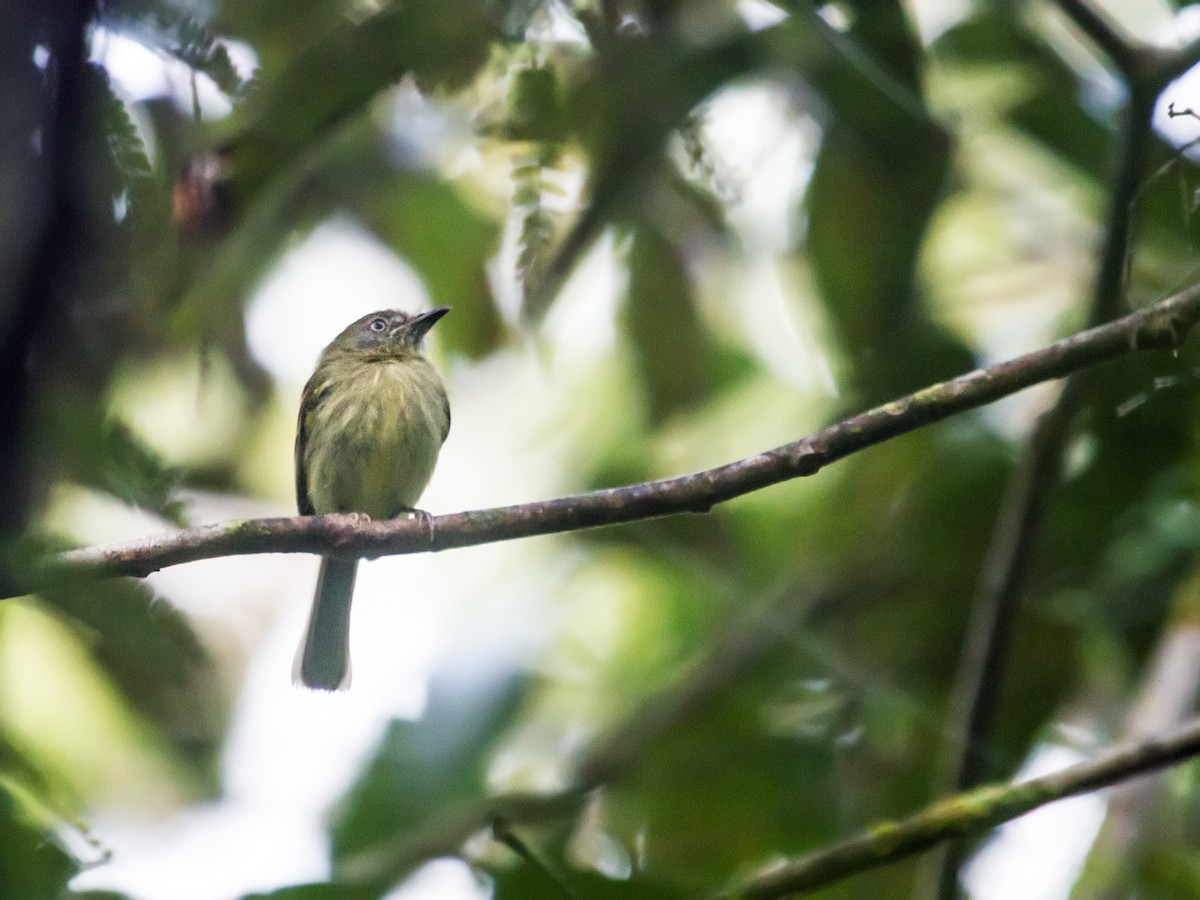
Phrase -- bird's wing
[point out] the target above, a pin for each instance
(314, 392)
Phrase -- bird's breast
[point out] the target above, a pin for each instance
(375, 438)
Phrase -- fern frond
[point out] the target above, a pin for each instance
(177, 34)
(537, 223)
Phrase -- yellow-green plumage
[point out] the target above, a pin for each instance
(372, 419)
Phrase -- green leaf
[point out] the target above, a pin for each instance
(125, 142)
(282, 146)
(1055, 109)
(33, 866)
(883, 28)
(279, 30)
(535, 106)
(421, 769)
(516, 16)
(200, 49)
(526, 882)
(1049, 108)
(147, 648)
(428, 223)
(869, 202)
(137, 475)
(624, 128)
(325, 891)
(672, 350)
(442, 45)
(110, 457)
(868, 209)
(20, 768)
(717, 794)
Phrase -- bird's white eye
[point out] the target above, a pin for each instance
(378, 324)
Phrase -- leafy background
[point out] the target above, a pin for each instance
(673, 234)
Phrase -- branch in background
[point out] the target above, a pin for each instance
(502, 832)
(1116, 46)
(1018, 525)
(1108, 291)
(613, 15)
(964, 814)
(1167, 67)
(1162, 326)
(1143, 66)
(1167, 698)
(734, 653)
(1002, 580)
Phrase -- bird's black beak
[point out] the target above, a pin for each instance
(419, 325)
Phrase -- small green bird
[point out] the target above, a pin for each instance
(373, 417)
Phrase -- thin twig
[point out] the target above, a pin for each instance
(1006, 570)
(503, 832)
(1018, 524)
(964, 814)
(1117, 47)
(1108, 291)
(1143, 66)
(1162, 326)
(1148, 72)
(1166, 699)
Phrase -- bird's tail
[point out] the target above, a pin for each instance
(324, 660)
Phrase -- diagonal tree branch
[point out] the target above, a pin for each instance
(1018, 524)
(1162, 326)
(963, 814)
(1147, 72)
(1116, 46)
(1143, 66)
(1165, 700)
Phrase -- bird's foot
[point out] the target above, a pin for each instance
(427, 520)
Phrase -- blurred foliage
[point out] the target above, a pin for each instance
(33, 865)
(555, 124)
(426, 768)
(149, 651)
